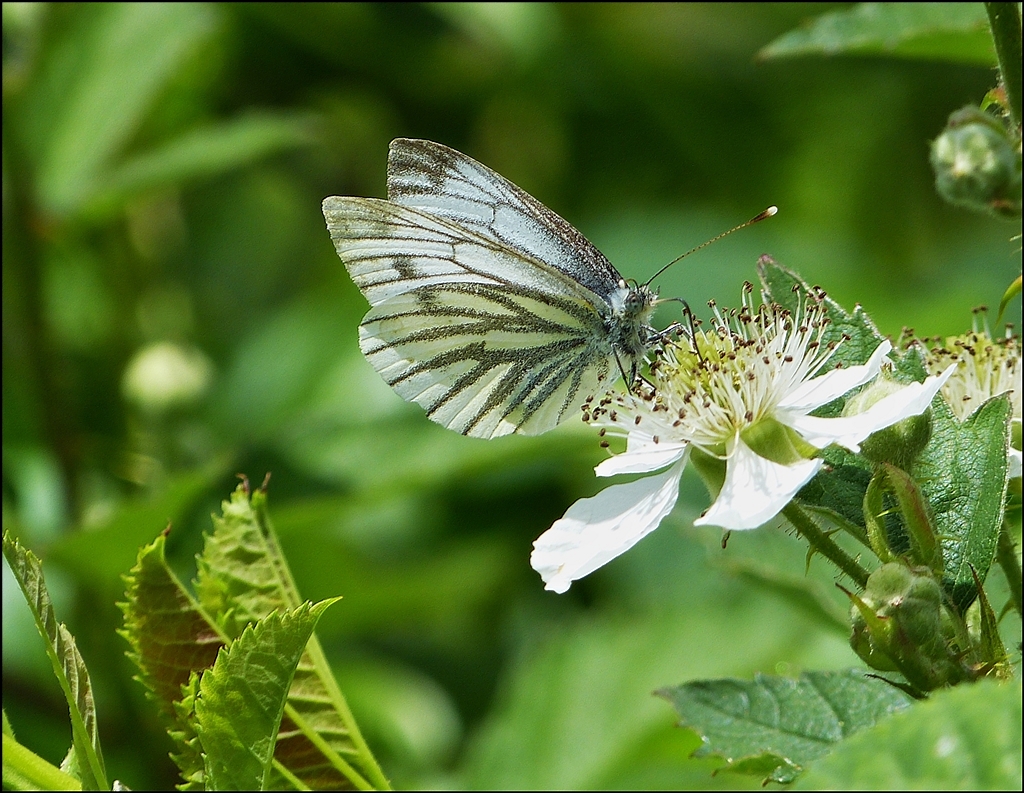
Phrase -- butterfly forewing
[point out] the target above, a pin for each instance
(487, 309)
(448, 184)
(390, 249)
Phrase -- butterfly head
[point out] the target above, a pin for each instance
(629, 323)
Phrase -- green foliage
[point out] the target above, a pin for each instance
(956, 32)
(243, 580)
(774, 727)
(580, 704)
(225, 697)
(82, 155)
(199, 154)
(170, 634)
(934, 521)
(962, 473)
(1012, 291)
(242, 698)
(967, 738)
(67, 664)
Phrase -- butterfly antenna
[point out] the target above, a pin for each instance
(756, 219)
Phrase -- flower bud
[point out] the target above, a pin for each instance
(977, 165)
(899, 443)
(899, 624)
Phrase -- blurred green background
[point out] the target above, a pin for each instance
(174, 313)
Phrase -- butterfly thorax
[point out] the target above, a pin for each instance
(628, 323)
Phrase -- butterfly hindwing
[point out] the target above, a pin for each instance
(487, 360)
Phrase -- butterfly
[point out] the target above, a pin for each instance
(486, 308)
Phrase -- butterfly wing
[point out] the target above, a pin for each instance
(448, 184)
(486, 337)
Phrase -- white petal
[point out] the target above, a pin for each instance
(849, 431)
(755, 489)
(641, 456)
(819, 391)
(596, 530)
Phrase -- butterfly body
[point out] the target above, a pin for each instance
(487, 308)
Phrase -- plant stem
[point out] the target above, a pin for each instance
(1006, 554)
(1005, 21)
(823, 544)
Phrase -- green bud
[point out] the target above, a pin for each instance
(977, 165)
(900, 624)
(870, 647)
(899, 443)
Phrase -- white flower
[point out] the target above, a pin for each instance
(743, 396)
(984, 367)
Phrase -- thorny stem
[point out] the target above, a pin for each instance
(823, 544)
(1005, 21)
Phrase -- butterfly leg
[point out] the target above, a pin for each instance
(627, 379)
(676, 328)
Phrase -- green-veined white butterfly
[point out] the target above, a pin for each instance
(487, 308)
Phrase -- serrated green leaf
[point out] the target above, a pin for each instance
(170, 635)
(189, 754)
(242, 698)
(965, 738)
(243, 577)
(123, 55)
(953, 32)
(171, 640)
(854, 332)
(800, 720)
(910, 366)
(962, 472)
(200, 153)
(67, 663)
